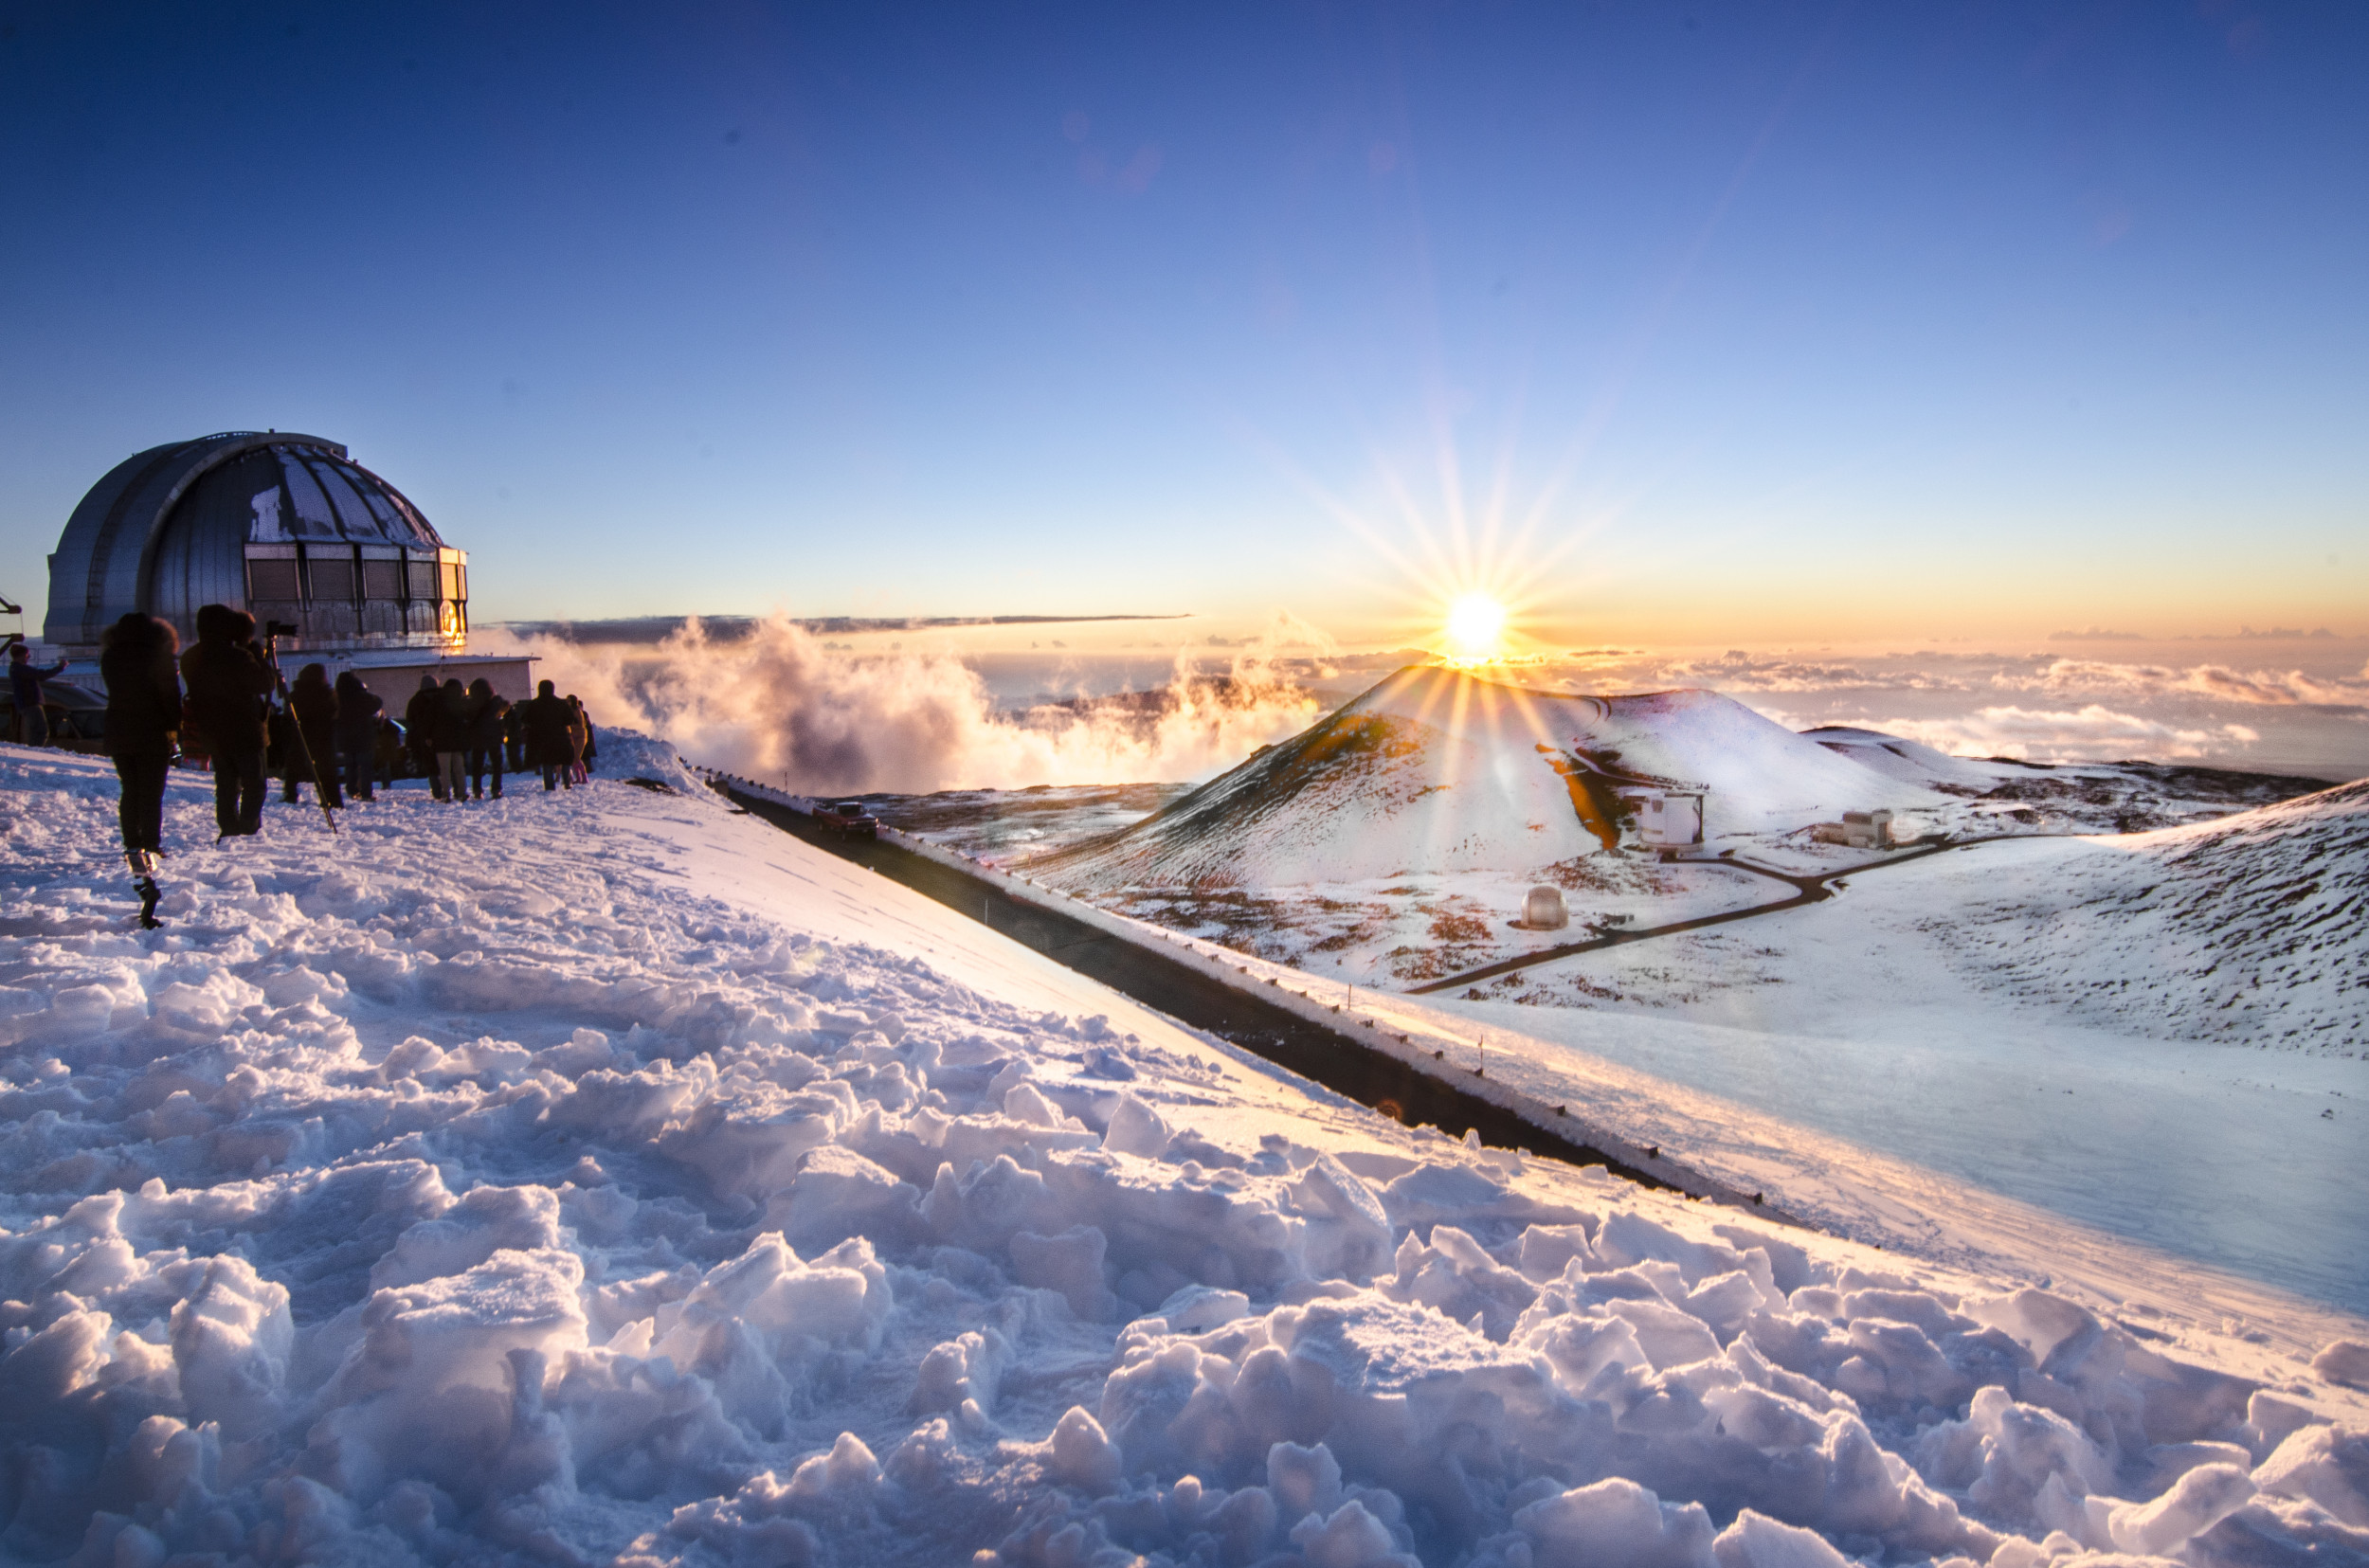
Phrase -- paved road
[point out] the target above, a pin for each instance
(1809, 887)
(1337, 1060)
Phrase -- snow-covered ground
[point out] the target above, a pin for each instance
(608, 1178)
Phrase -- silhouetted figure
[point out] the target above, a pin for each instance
(311, 751)
(579, 740)
(488, 716)
(32, 725)
(359, 714)
(514, 736)
(452, 741)
(548, 716)
(227, 677)
(136, 659)
(419, 722)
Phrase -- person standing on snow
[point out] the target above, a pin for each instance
(452, 740)
(313, 725)
(143, 714)
(547, 736)
(488, 716)
(578, 741)
(32, 725)
(227, 678)
(419, 723)
(356, 737)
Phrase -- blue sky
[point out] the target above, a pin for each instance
(1768, 320)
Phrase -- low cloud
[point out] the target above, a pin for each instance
(2097, 634)
(2261, 688)
(776, 706)
(2093, 733)
(1737, 670)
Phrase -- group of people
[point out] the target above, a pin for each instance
(217, 699)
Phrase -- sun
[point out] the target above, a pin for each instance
(1476, 626)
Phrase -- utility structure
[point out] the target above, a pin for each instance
(288, 527)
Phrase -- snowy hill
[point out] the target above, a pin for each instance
(1437, 770)
(2253, 928)
(608, 1178)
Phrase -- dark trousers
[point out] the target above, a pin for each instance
(142, 809)
(324, 769)
(556, 775)
(238, 792)
(481, 760)
(360, 761)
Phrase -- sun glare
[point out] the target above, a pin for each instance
(1476, 626)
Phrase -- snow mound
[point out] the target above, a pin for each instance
(1437, 770)
(603, 1176)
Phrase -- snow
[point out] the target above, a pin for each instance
(606, 1177)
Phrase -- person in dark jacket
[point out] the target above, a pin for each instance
(311, 751)
(514, 735)
(488, 716)
(452, 740)
(356, 737)
(227, 677)
(136, 659)
(419, 722)
(548, 721)
(32, 725)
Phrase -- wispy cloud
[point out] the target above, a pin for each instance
(2261, 688)
(2096, 732)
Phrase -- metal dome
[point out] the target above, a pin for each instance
(283, 526)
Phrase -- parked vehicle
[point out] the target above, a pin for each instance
(849, 818)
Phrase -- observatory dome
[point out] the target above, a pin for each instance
(286, 527)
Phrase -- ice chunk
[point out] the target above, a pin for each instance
(1352, 1537)
(1756, 1540)
(1615, 1524)
(2324, 1465)
(1082, 1454)
(2197, 1502)
(2346, 1362)
(1069, 1263)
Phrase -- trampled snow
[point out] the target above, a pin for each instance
(606, 1177)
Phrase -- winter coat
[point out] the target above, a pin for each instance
(25, 682)
(143, 696)
(316, 712)
(421, 715)
(548, 722)
(227, 677)
(487, 716)
(358, 711)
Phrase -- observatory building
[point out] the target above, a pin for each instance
(289, 528)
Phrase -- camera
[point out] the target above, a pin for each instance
(274, 630)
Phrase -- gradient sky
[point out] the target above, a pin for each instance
(1764, 321)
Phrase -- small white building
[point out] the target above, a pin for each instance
(1858, 830)
(1666, 819)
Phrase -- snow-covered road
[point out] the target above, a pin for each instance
(606, 1178)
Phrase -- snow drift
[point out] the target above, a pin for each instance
(604, 1178)
(1437, 771)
